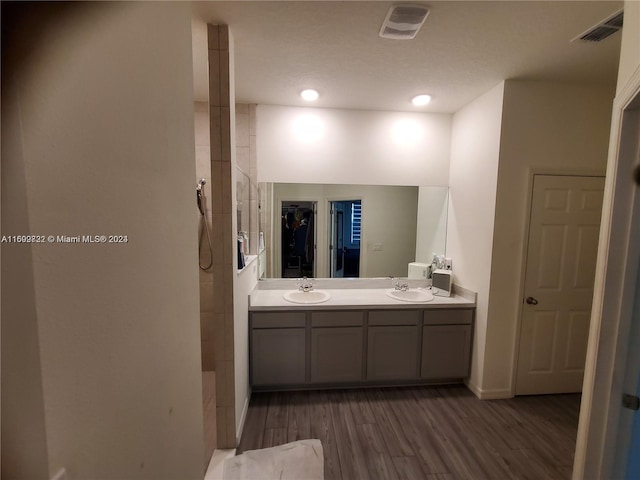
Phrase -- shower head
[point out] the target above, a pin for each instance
(200, 194)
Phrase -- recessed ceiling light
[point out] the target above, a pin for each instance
(420, 100)
(309, 95)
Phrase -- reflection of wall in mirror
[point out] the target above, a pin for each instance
(243, 204)
(265, 225)
(431, 232)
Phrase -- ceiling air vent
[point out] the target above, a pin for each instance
(616, 20)
(403, 21)
(602, 30)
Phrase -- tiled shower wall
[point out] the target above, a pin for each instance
(203, 170)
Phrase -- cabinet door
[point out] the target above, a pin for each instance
(445, 351)
(278, 356)
(392, 353)
(336, 354)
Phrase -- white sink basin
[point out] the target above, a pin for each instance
(415, 295)
(313, 296)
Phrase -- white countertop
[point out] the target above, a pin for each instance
(352, 298)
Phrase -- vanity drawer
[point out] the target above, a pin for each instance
(446, 316)
(337, 319)
(394, 317)
(278, 319)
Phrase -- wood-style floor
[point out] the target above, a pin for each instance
(433, 433)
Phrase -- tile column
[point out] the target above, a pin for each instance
(221, 110)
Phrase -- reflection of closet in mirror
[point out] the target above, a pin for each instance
(344, 247)
(298, 239)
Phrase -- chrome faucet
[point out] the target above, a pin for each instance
(304, 284)
(403, 287)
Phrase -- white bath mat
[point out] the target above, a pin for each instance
(301, 460)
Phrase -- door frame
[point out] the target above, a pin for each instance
(277, 232)
(531, 173)
(330, 201)
(332, 248)
(341, 198)
(597, 440)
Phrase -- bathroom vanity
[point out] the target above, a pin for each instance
(359, 337)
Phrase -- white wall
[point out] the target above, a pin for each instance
(475, 149)
(319, 145)
(388, 219)
(528, 126)
(246, 281)
(599, 444)
(431, 234)
(106, 114)
(23, 420)
(630, 47)
(551, 128)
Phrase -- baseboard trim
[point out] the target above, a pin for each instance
(215, 469)
(489, 394)
(243, 417)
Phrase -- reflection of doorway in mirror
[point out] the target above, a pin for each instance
(344, 247)
(298, 239)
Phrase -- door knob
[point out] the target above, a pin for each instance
(632, 402)
(531, 301)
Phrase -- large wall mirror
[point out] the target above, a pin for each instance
(337, 231)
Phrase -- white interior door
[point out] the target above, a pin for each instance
(561, 259)
(627, 442)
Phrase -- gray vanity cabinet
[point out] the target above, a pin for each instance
(446, 344)
(336, 347)
(278, 349)
(393, 345)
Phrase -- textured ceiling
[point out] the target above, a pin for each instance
(462, 51)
